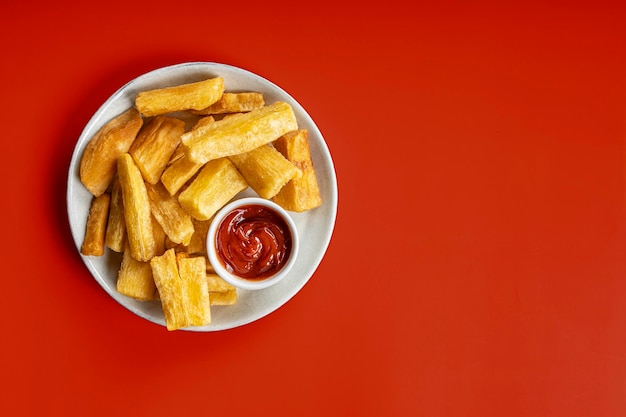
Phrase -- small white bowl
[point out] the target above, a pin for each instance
(219, 264)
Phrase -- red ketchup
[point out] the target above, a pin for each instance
(253, 242)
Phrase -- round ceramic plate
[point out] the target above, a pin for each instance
(315, 226)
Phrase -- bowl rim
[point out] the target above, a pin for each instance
(233, 279)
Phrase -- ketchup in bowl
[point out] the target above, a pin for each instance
(253, 242)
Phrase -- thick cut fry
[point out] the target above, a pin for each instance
(239, 133)
(225, 298)
(134, 278)
(234, 103)
(217, 183)
(136, 209)
(115, 236)
(166, 209)
(180, 150)
(178, 173)
(203, 121)
(180, 168)
(99, 161)
(155, 144)
(159, 237)
(170, 288)
(265, 169)
(183, 289)
(195, 290)
(217, 284)
(192, 96)
(93, 244)
(198, 239)
(299, 194)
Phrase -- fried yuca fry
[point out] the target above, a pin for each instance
(181, 169)
(265, 169)
(180, 151)
(170, 289)
(93, 243)
(217, 284)
(177, 174)
(303, 193)
(99, 161)
(191, 96)
(166, 209)
(134, 278)
(159, 237)
(239, 133)
(225, 298)
(234, 103)
(198, 239)
(137, 212)
(155, 144)
(217, 183)
(115, 235)
(195, 290)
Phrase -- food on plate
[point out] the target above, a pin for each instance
(239, 133)
(180, 169)
(183, 289)
(217, 183)
(192, 96)
(134, 278)
(98, 162)
(234, 103)
(155, 144)
(198, 239)
(178, 173)
(136, 209)
(302, 193)
(175, 221)
(161, 170)
(196, 293)
(265, 169)
(93, 243)
(115, 236)
(223, 298)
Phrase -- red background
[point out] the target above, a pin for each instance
(478, 262)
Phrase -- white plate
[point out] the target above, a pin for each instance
(315, 226)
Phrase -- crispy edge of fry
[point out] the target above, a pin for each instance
(225, 298)
(217, 284)
(195, 290)
(159, 237)
(170, 288)
(179, 152)
(115, 236)
(197, 245)
(175, 221)
(265, 169)
(93, 242)
(137, 213)
(134, 278)
(189, 96)
(155, 144)
(98, 162)
(217, 182)
(180, 169)
(234, 103)
(303, 193)
(178, 173)
(239, 133)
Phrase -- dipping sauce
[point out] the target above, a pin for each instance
(253, 242)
